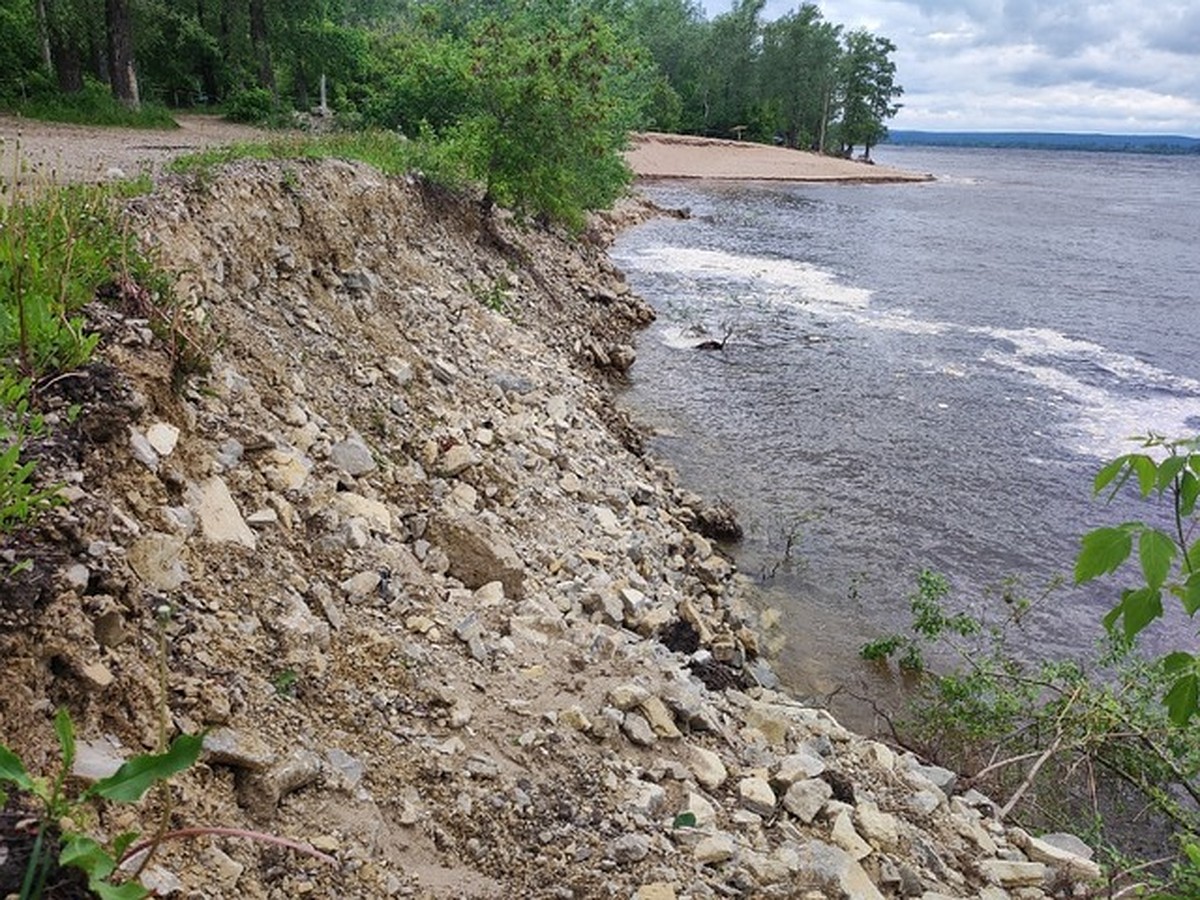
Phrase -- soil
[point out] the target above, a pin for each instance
(56, 153)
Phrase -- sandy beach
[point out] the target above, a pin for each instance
(655, 156)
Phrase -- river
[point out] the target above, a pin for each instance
(920, 376)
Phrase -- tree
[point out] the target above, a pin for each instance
(549, 113)
(122, 76)
(868, 90)
(799, 60)
(727, 86)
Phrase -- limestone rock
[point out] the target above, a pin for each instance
(478, 554)
(220, 520)
(755, 794)
(805, 798)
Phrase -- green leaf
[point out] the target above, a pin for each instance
(1147, 472)
(1103, 551)
(1189, 593)
(1173, 662)
(1181, 699)
(130, 890)
(1168, 469)
(138, 775)
(1140, 608)
(65, 730)
(125, 840)
(1157, 552)
(684, 820)
(1189, 491)
(13, 770)
(1110, 471)
(86, 854)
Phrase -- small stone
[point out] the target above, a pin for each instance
(630, 848)
(96, 675)
(97, 759)
(844, 835)
(352, 456)
(660, 718)
(804, 799)
(76, 577)
(707, 768)
(220, 520)
(142, 451)
(755, 794)
(1011, 874)
(626, 696)
(797, 766)
(879, 828)
(162, 436)
(326, 843)
(714, 849)
(238, 749)
(456, 460)
(638, 730)
(656, 890)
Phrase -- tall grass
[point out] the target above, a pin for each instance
(93, 105)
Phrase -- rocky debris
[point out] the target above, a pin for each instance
(432, 612)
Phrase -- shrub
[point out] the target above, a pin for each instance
(255, 106)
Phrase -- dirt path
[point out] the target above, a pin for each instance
(58, 152)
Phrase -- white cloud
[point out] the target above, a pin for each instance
(1045, 65)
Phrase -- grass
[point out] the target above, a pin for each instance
(94, 105)
(387, 151)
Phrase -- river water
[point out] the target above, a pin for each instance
(920, 375)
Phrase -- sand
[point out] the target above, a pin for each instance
(658, 156)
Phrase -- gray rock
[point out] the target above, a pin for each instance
(155, 559)
(638, 730)
(630, 848)
(352, 456)
(804, 799)
(836, 870)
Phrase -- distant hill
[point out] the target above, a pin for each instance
(1037, 140)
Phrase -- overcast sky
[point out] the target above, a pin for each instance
(1116, 66)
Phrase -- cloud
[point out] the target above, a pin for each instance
(1046, 65)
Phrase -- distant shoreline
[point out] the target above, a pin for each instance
(1153, 144)
(655, 156)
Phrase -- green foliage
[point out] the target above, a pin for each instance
(548, 115)
(93, 105)
(1061, 742)
(256, 106)
(20, 500)
(930, 623)
(1168, 554)
(127, 785)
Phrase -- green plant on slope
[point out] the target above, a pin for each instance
(1169, 556)
(60, 810)
(1058, 744)
(20, 499)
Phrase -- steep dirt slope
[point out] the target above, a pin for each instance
(437, 615)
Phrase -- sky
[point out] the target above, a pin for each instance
(1110, 66)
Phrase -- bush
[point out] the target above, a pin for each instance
(255, 106)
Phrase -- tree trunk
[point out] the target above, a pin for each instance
(262, 49)
(122, 77)
(44, 36)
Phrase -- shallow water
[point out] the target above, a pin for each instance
(920, 375)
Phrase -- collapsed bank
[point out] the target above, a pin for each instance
(437, 613)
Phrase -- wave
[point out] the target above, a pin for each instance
(798, 281)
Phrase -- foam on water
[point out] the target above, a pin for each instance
(800, 281)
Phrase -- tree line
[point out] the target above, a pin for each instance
(800, 80)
